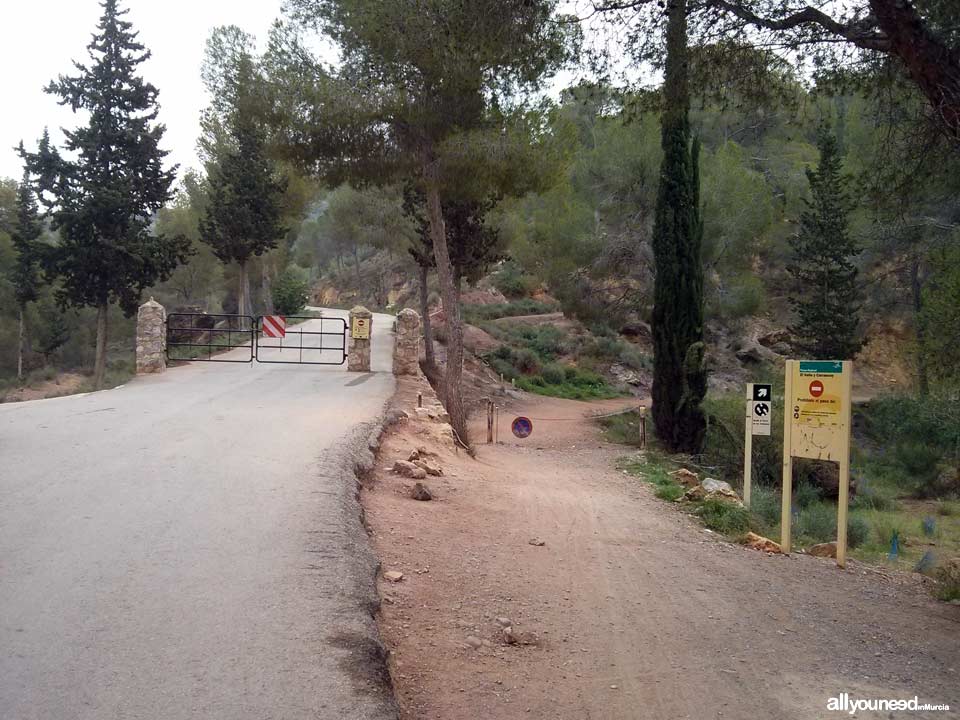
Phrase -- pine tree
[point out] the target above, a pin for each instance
(102, 201)
(679, 373)
(242, 218)
(827, 299)
(26, 277)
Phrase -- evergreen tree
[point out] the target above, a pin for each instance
(102, 201)
(242, 218)
(826, 301)
(679, 374)
(25, 276)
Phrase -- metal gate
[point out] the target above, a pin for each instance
(207, 337)
(324, 346)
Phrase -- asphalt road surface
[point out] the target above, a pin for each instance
(188, 546)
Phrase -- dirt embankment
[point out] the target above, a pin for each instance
(629, 609)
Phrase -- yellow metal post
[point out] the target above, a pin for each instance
(786, 492)
(844, 460)
(748, 446)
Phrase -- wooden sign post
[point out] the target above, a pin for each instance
(816, 425)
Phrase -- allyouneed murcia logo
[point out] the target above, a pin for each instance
(845, 703)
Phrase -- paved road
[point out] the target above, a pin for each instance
(186, 546)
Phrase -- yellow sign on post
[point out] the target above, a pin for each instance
(816, 425)
(360, 329)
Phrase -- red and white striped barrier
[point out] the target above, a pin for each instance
(274, 326)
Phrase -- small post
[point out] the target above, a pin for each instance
(643, 427)
(419, 399)
(748, 447)
(489, 421)
(358, 359)
(151, 351)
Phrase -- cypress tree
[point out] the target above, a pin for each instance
(102, 201)
(26, 277)
(679, 373)
(242, 218)
(827, 299)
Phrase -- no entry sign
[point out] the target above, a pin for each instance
(274, 326)
(522, 427)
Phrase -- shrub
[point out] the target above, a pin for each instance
(513, 282)
(526, 361)
(474, 314)
(885, 526)
(818, 522)
(858, 531)
(290, 291)
(806, 494)
(669, 492)
(634, 359)
(948, 581)
(724, 517)
(765, 506)
(554, 374)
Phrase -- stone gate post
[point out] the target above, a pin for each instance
(361, 329)
(151, 338)
(406, 351)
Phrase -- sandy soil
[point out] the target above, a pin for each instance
(631, 608)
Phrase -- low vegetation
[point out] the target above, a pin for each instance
(904, 512)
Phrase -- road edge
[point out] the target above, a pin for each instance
(368, 655)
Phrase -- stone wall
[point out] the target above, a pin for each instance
(151, 338)
(406, 350)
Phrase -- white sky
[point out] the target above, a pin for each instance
(39, 39)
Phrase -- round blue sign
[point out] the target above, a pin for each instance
(522, 427)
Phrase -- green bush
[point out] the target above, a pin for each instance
(805, 494)
(724, 517)
(948, 581)
(554, 374)
(633, 358)
(526, 361)
(669, 492)
(858, 531)
(817, 522)
(765, 506)
(513, 282)
(290, 291)
(475, 314)
(921, 441)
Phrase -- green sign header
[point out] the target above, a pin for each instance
(821, 366)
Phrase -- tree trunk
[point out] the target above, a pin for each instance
(932, 64)
(452, 393)
(430, 359)
(916, 286)
(356, 263)
(243, 296)
(679, 376)
(20, 347)
(100, 361)
(266, 290)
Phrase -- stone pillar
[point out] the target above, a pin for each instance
(361, 329)
(406, 351)
(151, 338)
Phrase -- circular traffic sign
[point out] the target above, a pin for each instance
(522, 427)
(816, 388)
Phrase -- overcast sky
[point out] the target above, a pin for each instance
(39, 39)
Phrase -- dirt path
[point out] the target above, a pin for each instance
(633, 609)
